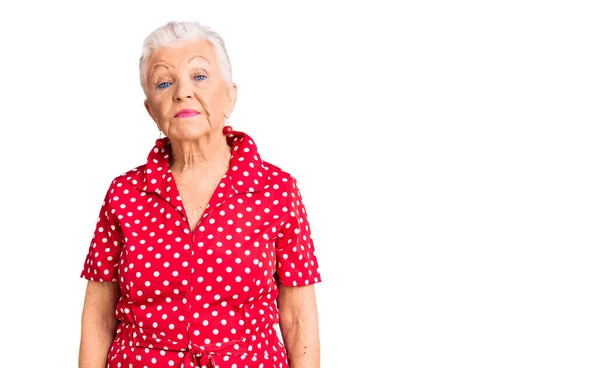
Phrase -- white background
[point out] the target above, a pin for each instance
(447, 152)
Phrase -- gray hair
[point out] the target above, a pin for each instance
(173, 34)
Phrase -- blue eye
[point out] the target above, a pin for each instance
(198, 76)
(163, 85)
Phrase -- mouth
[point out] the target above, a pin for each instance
(186, 113)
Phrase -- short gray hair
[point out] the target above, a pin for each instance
(173, 34)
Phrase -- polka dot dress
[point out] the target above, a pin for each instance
(202, 298)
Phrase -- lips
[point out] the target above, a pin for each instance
(186, 113)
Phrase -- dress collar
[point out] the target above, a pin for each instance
(246, 171)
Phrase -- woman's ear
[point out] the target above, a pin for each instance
(232, 98)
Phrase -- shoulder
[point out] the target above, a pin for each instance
(125, 181)
(278, 176)
(130, 176)
(282, 182)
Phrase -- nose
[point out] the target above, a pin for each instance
(183, 92)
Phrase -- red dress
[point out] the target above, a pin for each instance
(205, 297)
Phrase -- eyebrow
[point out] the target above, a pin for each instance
(161, 63)
(198, 56)
(152, 74)
(156, 66)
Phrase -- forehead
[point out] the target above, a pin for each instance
(189, 51)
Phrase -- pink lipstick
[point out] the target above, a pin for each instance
(186, 113)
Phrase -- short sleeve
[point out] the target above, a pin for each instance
(102, 259)
(297, 263)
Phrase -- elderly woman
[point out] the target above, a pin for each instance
(200, 252)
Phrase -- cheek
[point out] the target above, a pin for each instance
(162, 106)
(215, 100)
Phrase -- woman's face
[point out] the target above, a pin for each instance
(188, 78)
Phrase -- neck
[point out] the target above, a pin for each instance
(199, 155)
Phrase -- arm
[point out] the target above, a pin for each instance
(98, 323)
(299, 325)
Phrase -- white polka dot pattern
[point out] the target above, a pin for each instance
(205, 297)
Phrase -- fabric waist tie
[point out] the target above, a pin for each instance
(201, 355)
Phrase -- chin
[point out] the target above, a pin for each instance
(191, 133)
